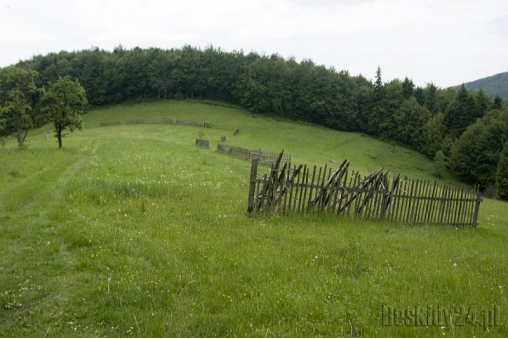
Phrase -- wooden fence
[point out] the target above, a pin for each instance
(110, 123)
(289, 190)
(261, 156)
(169, 121)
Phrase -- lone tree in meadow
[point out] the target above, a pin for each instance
(22, 87)
(502, 175)
(63, 103)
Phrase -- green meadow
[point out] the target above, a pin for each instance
(132, 232)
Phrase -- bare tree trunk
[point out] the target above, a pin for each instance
(59, 136)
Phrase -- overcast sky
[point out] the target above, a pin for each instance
(446, 42)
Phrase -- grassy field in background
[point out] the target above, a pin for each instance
(131, 232)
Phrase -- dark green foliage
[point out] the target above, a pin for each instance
(378, 86)
(419, 95)
(63, 104)
(475, 154)
(461, 113)
(409, 120)
(21, 87)
(430, 93)
(502, 175)
(483, 103)
(498, 102)
(381, 120)
(444, 98)
(433, 135)
(407, 88)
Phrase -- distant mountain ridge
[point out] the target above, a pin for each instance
(493, 85)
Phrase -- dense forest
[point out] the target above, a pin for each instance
(467, 129)
(493, 85)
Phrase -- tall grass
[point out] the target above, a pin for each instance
(134, 232)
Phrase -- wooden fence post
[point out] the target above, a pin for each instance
(252, 186)
(477, 206)
(387, 196)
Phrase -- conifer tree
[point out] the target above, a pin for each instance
(378, 86)
(498, 102)
(460, 113)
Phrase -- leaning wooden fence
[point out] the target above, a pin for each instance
(169, 121)
(261, 156)
(287, 190)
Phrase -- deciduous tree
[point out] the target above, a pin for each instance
(475, 155)
(63, 104)
(20, 100)
(409, 119)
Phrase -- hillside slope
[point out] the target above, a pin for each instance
(493, 85)
(306, 143)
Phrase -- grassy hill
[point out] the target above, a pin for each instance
(130, 232)
(310, 144)
(493, 85)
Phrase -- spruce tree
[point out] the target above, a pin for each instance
(498, 102)
(460, 113)
(407, 88)
(378, 86)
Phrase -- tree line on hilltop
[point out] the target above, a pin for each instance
(465, 129)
